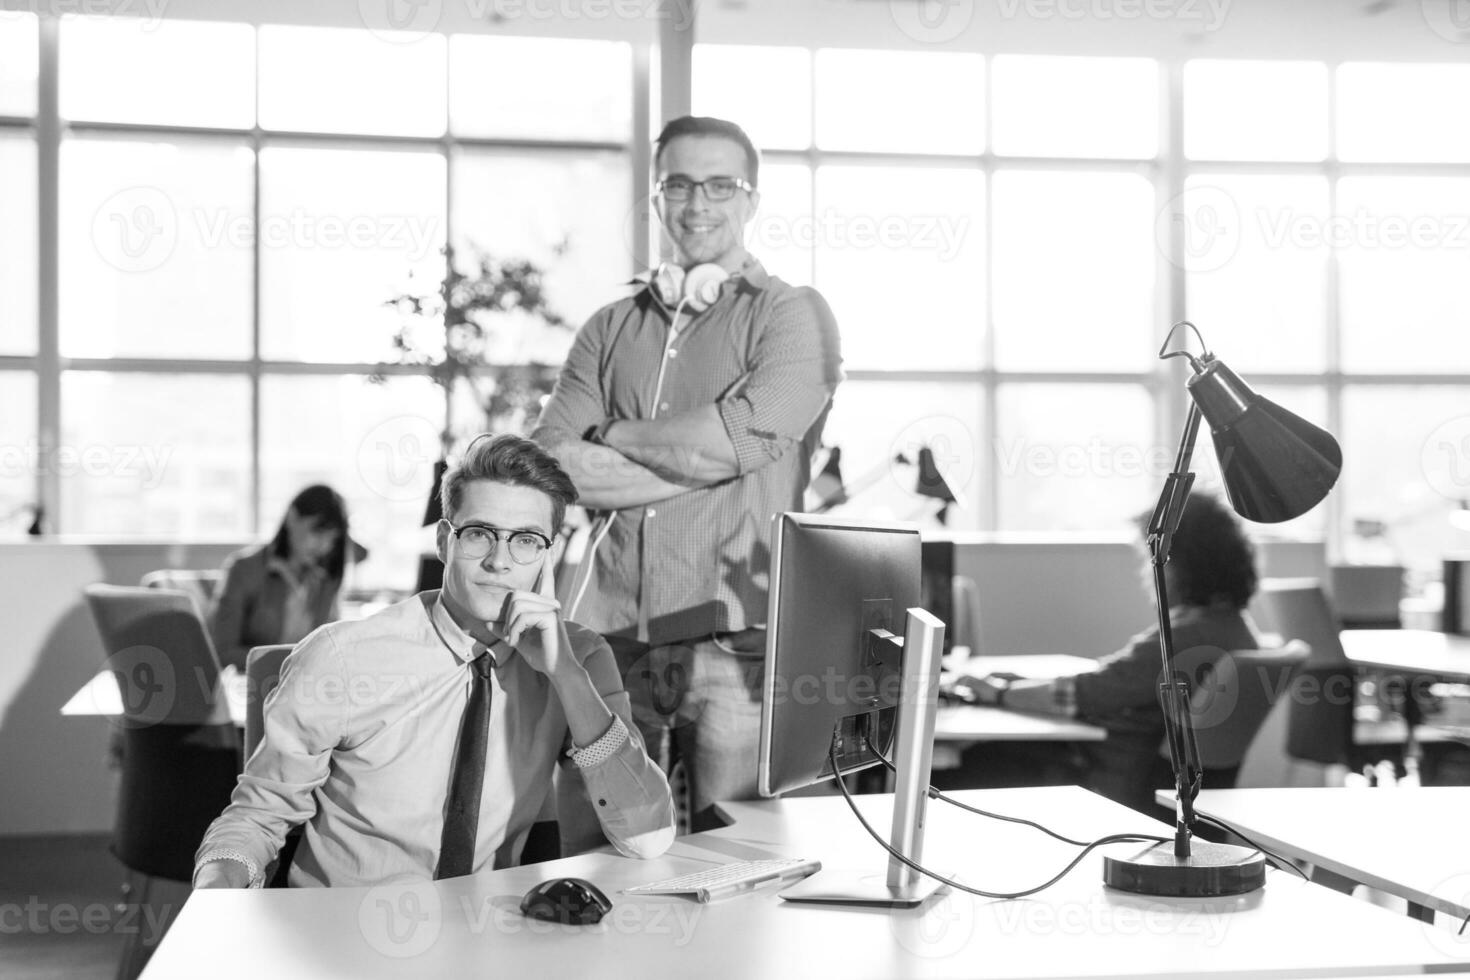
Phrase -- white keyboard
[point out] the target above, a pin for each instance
(729, 879)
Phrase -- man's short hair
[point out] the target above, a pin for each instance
(710, 126)
(513, 460)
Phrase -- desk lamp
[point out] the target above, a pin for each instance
(1275, 466)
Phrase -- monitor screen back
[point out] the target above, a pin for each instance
(831, 582)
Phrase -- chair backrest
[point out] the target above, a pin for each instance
(1231, 701)
(157, 647)
(201, 583)
(262, 674)
(1297, 609)
(964, 597)
(1366, 595)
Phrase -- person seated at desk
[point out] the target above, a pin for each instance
(282, 590)
(1210, 577)
(422, 741)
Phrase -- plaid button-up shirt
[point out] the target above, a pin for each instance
(768, 355)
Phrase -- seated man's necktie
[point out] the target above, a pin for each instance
(467, 777)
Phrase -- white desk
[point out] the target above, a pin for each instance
(1077, 928)
(1442, 655)
(1408, 842)
(1414, 657)
(103, 696)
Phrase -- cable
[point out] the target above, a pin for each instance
(597, 539)
(935, 794)
(1280, 862)
(894, 853)
(1277, 860)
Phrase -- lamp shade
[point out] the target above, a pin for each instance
(1275, 465)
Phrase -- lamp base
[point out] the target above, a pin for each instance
(1210, 870)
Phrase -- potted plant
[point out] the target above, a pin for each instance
(480, 328)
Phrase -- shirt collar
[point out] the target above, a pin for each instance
(464, 646)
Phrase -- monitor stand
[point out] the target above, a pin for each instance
(901, 886)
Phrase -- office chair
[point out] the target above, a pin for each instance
(964, 597)
(180, 754)
(1230, 702)
(1366, 596)
(262, 674)
(200, 583)
(1320, 717)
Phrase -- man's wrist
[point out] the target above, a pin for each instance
(570, 677)
(233, 866)
(599, 433)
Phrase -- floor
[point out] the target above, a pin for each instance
(62, 909)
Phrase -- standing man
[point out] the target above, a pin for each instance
(688, 414)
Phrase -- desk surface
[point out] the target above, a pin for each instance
(1444, 655)
(1076, 928)
(1407, 842)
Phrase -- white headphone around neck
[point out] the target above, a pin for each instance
(697, 289)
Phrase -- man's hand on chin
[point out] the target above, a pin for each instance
(532, 624)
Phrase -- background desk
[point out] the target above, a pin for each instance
(958, 725)
(1077, 928)
(1413, 657)
(1408, 842)
(1442, 655)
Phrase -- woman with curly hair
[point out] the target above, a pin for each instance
(1210, 577)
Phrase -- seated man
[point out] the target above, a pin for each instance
(423, 740)
(1210, 577)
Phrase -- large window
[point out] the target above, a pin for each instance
(226, 249)
(1003, 261)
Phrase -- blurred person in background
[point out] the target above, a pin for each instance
(282, 590)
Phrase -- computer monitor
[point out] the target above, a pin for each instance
(835, 669)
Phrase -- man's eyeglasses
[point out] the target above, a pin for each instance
(478, 540)
(715, 188)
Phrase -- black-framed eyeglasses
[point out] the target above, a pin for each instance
(478, 540)
(715, 188)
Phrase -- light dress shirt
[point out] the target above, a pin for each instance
(359, 738)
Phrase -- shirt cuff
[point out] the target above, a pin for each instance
(229, 854)
(604, 748)
(750, 450)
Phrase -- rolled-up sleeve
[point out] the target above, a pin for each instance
(577, 402)
(275, 791)
(797, 365)
(622, 785)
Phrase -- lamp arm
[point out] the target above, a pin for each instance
(1178, 726)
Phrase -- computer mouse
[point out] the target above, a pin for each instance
(573, 901)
